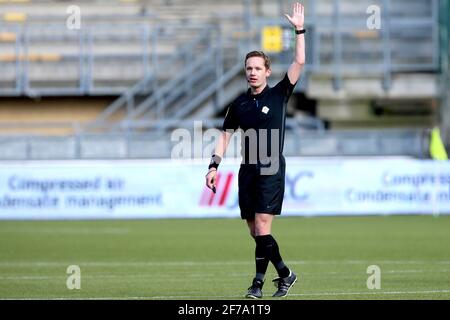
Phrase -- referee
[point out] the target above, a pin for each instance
(260, 113)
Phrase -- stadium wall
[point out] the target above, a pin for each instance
(143, 189)
(49, 115)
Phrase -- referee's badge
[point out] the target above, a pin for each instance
(265, 109)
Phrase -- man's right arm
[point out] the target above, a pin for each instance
(230, 124)
(221, 148)
(222, 143)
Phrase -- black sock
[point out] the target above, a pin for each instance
(277, 261)
(263, 253)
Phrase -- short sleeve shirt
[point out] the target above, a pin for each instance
(262, 118)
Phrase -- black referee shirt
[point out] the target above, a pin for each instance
(262, 118)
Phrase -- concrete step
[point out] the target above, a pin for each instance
(403, 86)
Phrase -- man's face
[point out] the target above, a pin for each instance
(256, 72)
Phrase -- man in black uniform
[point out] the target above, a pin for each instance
(261, 114)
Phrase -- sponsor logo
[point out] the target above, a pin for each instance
(223, 187)
(295, 190)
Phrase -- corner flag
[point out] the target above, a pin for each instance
(437, 148)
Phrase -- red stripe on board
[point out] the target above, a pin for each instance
(227, 188)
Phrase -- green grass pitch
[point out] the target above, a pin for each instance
(213, 258)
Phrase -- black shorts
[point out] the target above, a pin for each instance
(259, 192)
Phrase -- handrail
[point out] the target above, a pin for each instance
(317, 25)
(79, 49)
(28, 147)
(162, 94)
(130, 93)
(214, 87)
(168, 87)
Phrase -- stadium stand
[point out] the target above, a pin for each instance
(135, 70)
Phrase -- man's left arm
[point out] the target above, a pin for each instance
(297, 20)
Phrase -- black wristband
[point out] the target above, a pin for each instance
(300, 31)
(215, 161)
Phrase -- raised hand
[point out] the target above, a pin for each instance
(298, 16)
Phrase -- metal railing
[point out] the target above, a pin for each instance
(99, 59)
(155, 94)
(209, 62)
(163, 94)
(127, 145)
(339, 42)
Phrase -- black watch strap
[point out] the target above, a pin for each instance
(215, 161)
(299, 31)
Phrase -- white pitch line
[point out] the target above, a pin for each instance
(312, 294)
(90, 231)
(204, 263)
(371, 293)
(31, 277)
(154, 278)
(183, 278)
(122, 264)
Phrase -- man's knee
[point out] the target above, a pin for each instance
(262, 231)
(263, 224)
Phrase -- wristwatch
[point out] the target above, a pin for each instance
(299, 31)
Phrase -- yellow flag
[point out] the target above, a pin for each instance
(437, 148)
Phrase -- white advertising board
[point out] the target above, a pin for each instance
(169, 189)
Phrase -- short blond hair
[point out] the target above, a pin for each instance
(258, 54)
